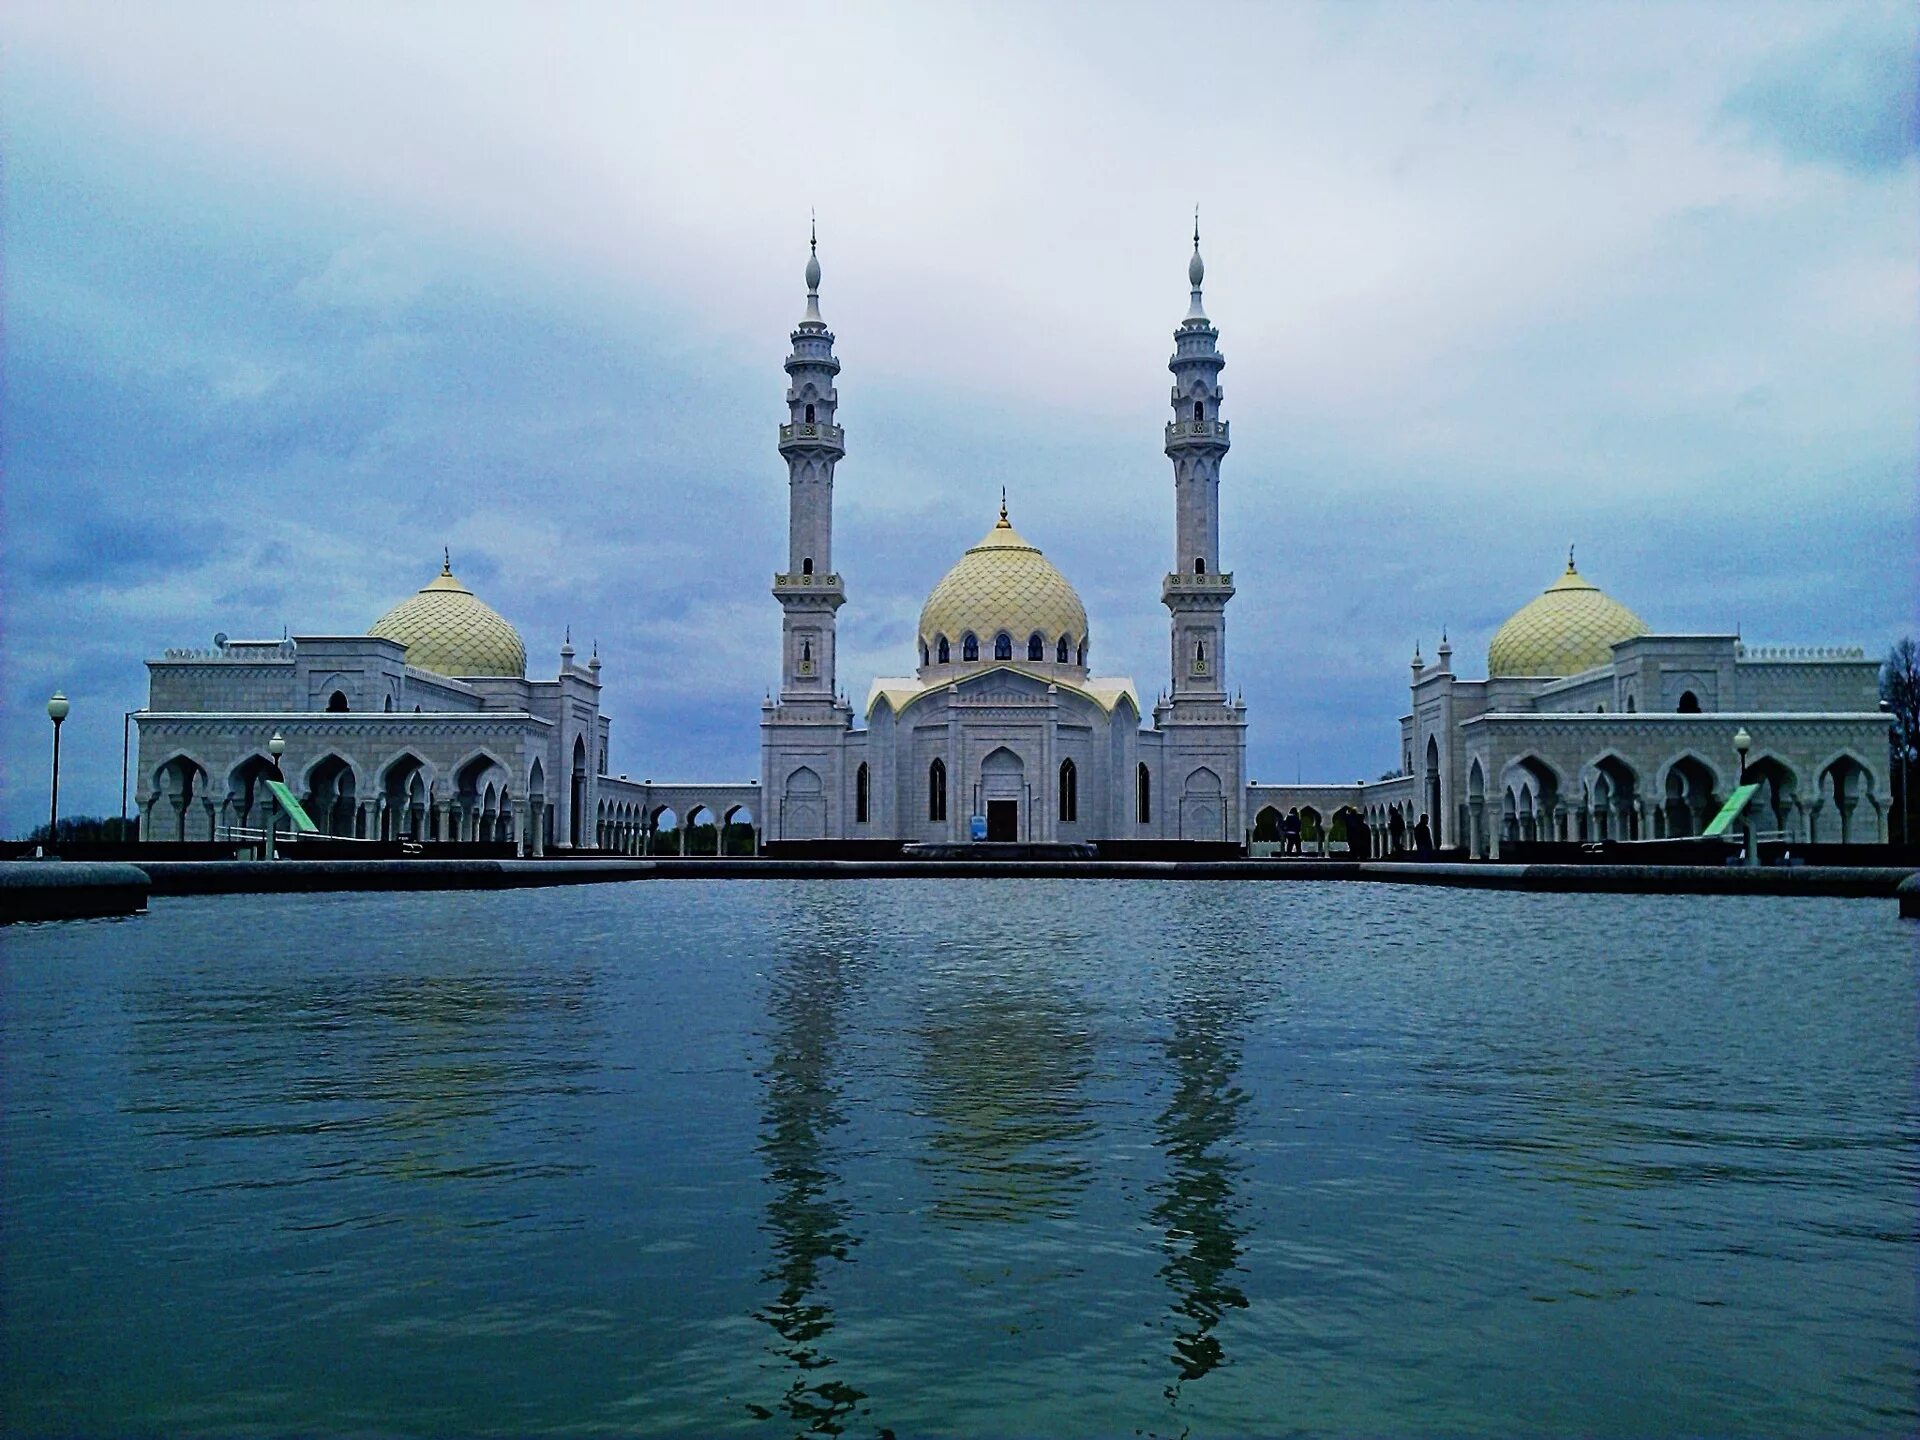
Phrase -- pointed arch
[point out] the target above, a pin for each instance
(1069, 793)
(937, 790)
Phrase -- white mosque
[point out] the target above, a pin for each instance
(1588, 727)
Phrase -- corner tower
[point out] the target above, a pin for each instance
(1196, 590)
(809, 591)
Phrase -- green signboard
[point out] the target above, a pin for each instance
(295, 811)
(1731, 811)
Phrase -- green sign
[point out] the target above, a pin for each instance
(296, 812)
(1732, 810)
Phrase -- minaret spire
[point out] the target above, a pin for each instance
(1196, 272)
(812, 317)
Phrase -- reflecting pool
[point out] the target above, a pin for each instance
(961, 1157)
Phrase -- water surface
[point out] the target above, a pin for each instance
(961, 1157)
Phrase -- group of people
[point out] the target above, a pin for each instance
(1352, 825)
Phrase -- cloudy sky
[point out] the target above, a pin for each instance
(295, 295)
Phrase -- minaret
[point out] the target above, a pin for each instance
(808, 590)
(1197, 590)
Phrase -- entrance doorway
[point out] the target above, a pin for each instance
(1003, 819)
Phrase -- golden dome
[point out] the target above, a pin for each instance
(1569, 627)
(447, 630)
(1003, 583)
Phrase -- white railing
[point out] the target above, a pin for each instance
(1800, 652)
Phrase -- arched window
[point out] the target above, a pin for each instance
(1064, 653)
(970, 647)
(337, 702)
(937, 790)
(1081, 654)
(809, 415)
(806, 566)
(1036, 647)
(1069, 792)
(1689, 703)
(1143, 794)
(923, 652)
(1199, 412)
(1631, 707)
(943, 650)
(1199, 565)
(416, 709)
(388, 707)
(1003, 646)
(860, 794)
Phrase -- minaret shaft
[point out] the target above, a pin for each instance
(811, 442)
(1197, 589)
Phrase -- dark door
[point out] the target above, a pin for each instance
(1003, 820)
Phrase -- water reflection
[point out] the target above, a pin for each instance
(1197, 1212)
(1004, 1067)
(413, 1077)
(806, 1217)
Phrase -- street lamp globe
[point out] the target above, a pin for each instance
(57, 707)
(277, 746)
(1742, 741)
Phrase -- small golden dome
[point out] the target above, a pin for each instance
(1569, 627)
(1003, 584)
(449, 631)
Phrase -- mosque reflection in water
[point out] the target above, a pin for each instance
(806, 1221)
(1003, 1070)
(1196, 1209)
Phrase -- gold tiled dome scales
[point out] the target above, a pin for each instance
(1569, 627)
(1003, 584)
(450, 631)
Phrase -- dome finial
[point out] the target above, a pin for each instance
(1570, 569)
(446, 560)
(1003, 508)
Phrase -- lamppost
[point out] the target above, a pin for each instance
(56, 711)
(1743, 742)
(126, 748)
(276, 747)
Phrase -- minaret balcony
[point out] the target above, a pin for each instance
(1179, 585)
(1206, 432)
(806, 435)
(808, 586)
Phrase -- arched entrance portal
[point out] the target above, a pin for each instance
(1002, 789)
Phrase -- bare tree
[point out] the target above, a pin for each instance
(1900, 696)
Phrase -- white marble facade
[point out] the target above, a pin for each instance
(1588, 726)
(1004, 731)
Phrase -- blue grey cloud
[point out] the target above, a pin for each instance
(1845, 98)
(244, 392)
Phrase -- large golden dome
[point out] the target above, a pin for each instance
(449, 631)
(1003, 584)
(1570, 627)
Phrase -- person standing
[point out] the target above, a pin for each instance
(1290, 832)
(1422, 839)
